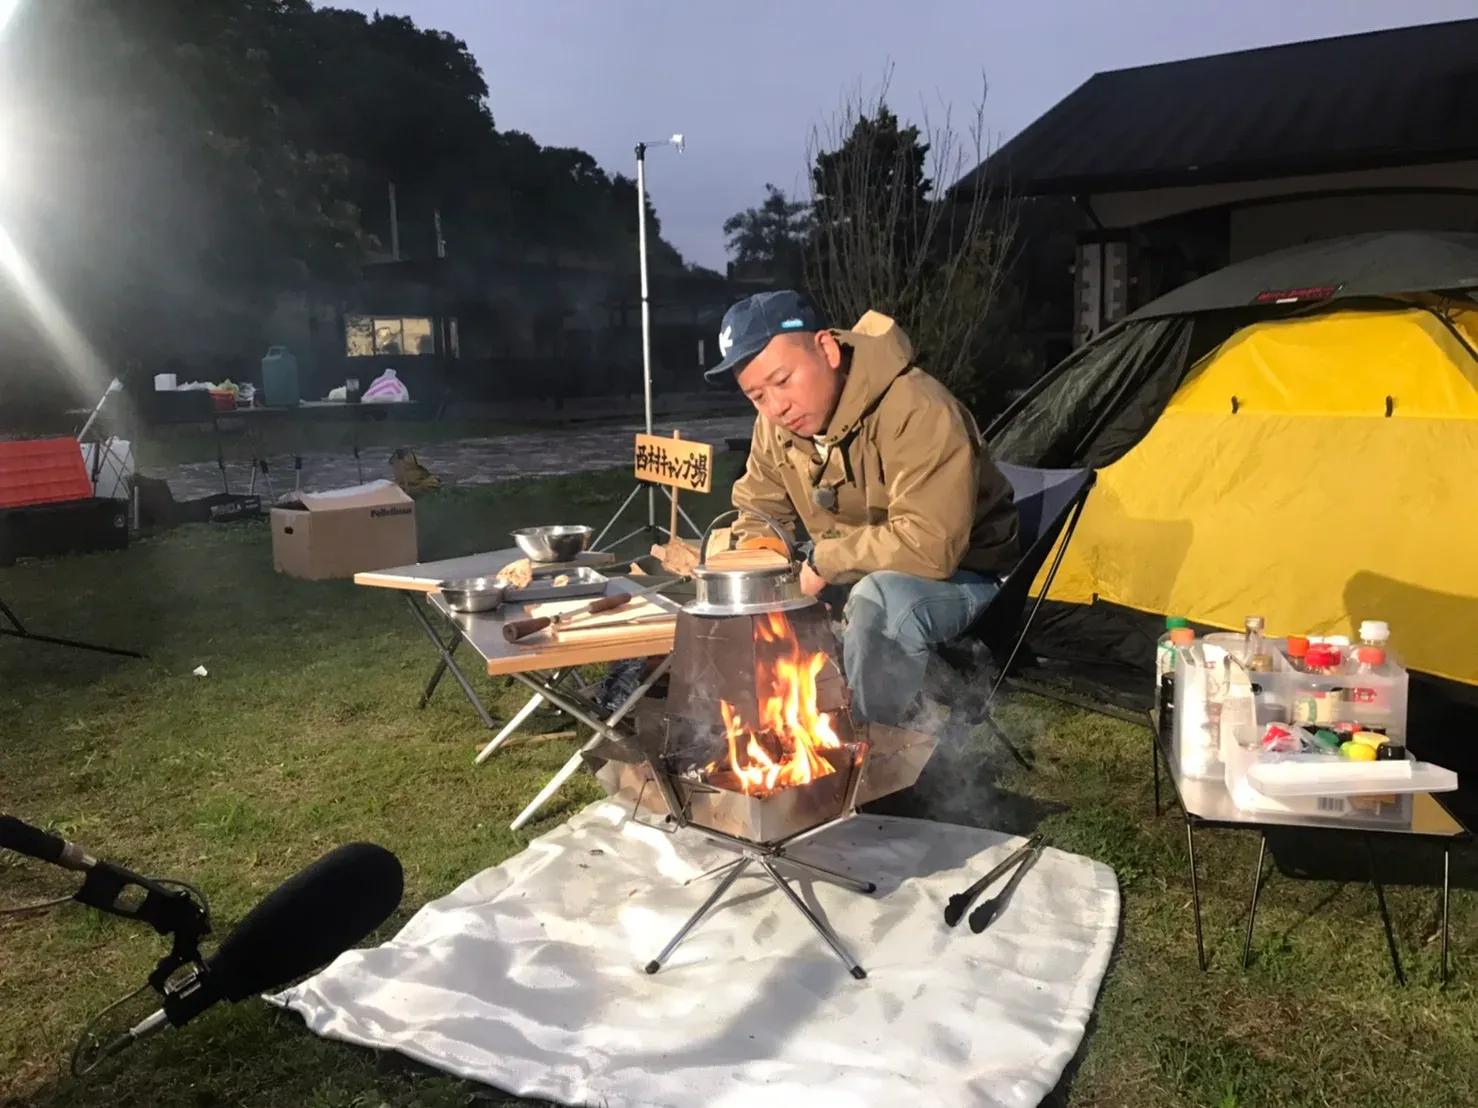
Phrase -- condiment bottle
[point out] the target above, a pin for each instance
(1322, 658)
(1179, 638)
(1254, 649)
(1297, 649)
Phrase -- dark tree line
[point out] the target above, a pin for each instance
(172, 166)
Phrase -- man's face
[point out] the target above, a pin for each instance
(795, 381)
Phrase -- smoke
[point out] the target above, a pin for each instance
(968, 779)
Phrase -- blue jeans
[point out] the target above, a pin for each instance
(892, 620)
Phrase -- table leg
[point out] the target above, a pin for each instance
(515, 723)
(1262, 848)
(215, 426)
(446, 659)
(437, 672)
(1446, 860)
(602, 729)
(1155, 766)
(1190, 844)
(1385, 916)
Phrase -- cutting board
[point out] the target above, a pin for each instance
(745, 559)
(610, 627)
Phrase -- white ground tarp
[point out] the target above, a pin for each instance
(529, 975)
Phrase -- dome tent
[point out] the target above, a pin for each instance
(1295, 436)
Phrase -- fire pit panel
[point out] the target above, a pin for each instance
(719, 804)
(895, 758)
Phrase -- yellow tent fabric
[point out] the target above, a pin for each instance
(1307, 504)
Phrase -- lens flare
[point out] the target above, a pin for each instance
(74, 354)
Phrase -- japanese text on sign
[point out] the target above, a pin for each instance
(675, 462)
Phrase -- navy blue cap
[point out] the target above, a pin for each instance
(750, 324)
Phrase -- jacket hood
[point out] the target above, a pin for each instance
(881, 352)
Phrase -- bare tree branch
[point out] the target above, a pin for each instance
(893, 231)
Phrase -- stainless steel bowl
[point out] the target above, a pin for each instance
(553, 544)
(473, 594)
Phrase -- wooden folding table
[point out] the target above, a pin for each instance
(544, 663)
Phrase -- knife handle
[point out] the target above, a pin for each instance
(608, 603)
(523, 628)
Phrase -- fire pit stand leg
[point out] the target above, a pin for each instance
(714, 872)
(821, 929)
(829, 874)
(738, 867)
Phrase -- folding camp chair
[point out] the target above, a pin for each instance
(1049, 502)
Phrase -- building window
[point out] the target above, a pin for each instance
(369, 336)
(359, 336)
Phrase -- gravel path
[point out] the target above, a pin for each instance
(481, 461)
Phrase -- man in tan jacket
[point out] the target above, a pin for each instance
(886, 472)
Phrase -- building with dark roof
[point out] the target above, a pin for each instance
(1183, 167)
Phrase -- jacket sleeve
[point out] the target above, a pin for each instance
(929, 462)
(762, 490)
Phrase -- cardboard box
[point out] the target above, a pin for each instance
(343, 531)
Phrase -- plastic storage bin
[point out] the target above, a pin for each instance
(1215, 692)
(1376, 700)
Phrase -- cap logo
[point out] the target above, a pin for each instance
(792, 324)
(725, 341)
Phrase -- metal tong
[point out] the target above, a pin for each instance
(517, 629)
(955, 909)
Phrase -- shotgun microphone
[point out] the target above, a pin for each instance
(307, 921)
(22, 838)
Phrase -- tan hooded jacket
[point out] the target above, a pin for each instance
(914, 487)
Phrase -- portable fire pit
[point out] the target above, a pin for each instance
(756, 749)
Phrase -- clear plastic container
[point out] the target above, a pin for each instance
(1299, 775)
(1204, 679)
(1367, 690)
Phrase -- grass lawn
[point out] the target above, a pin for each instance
(306, 735)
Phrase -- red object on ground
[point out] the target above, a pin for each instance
(42, 471)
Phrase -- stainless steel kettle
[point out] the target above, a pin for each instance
(747, 592)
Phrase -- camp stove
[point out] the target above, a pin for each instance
(755, 747)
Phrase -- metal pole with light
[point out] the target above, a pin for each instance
(646, 311)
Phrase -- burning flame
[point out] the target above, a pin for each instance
(784, 749)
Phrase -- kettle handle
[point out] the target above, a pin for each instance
(703, 542)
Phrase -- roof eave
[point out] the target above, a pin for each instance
(1227, 173)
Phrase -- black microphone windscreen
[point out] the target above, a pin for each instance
(308, 920)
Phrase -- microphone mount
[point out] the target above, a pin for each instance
(173, 908)
(181, 913)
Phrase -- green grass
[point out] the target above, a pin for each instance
(306, 735)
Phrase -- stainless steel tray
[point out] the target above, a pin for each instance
(583, 581)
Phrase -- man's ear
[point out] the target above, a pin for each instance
(831, 350)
